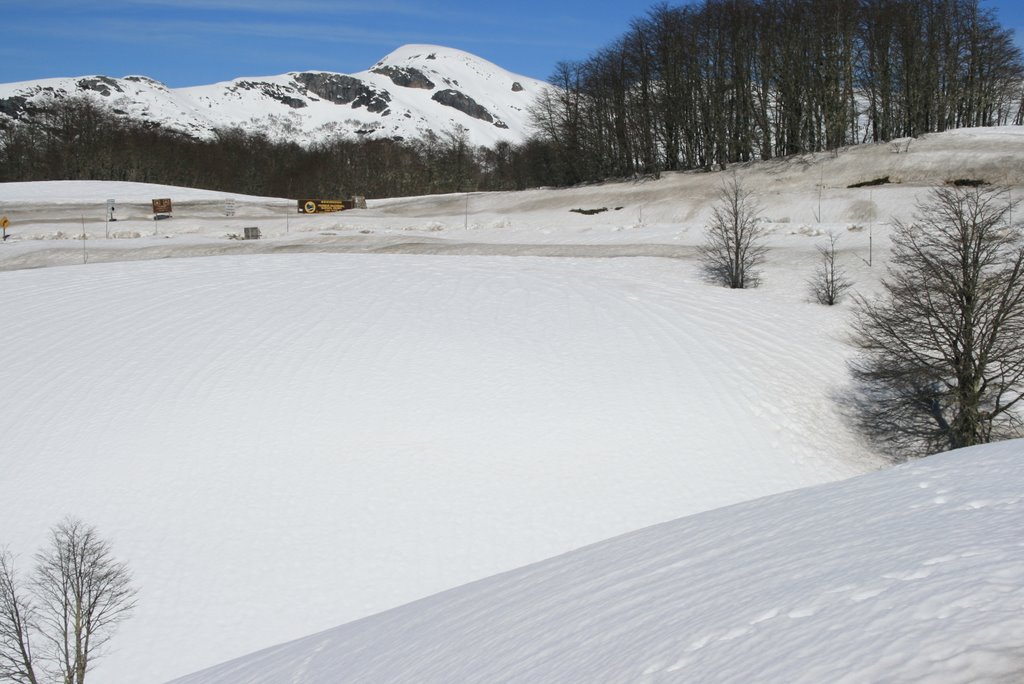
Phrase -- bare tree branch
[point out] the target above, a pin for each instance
(17, 616)
(829, 283)
(78, 594)
(942, 351)
(733, 241)
(84, 594)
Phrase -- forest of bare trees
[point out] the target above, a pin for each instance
(695, 86)
(77, 139)
(725, 81)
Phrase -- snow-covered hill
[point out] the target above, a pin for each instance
(415, 90)
(279, 441)
(914, 574)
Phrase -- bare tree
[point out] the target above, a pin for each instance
(79, 594)
(829, 283)
(734, 239)
(942, 350)
(16, 624)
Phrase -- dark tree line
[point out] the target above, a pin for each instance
(77, 139)
(724, 81)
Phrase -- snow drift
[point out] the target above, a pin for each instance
(907, 575)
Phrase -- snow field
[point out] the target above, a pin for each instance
(278, 444)
(908, 575)
(281, 443)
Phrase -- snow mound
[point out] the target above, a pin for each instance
(908, 575)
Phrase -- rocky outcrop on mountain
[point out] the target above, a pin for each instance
(407, 77)
(104, 85)
(464, 103)
(14, 107)
(343, 90)
(285, 96)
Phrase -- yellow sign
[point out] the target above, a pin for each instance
(4, 222)
(316, 206)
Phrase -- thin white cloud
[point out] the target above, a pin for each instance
(300, 29)
(322, 7)
(294, 7)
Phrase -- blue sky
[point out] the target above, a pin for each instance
(195, 42)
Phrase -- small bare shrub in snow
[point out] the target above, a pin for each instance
(734, 239)
(829, 283)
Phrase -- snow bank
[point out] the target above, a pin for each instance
(60, 192)
(915, 574)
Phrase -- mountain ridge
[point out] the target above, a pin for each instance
(412, 93)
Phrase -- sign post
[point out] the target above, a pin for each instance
(110, 217)
(161, 210)
(4, 223)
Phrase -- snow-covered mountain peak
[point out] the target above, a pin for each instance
(414, 92)
(454, 67)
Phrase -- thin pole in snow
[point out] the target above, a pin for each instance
(871, 226)
(821, 184)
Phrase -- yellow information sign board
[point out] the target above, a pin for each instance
(4, 223)
(316, 206)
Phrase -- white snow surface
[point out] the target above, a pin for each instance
(913, 574)
(285, 107)
(279, 443)
(283, 437)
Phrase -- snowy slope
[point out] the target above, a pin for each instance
(915, 574)
(802, 198)
(279, 443)
(415, 90)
